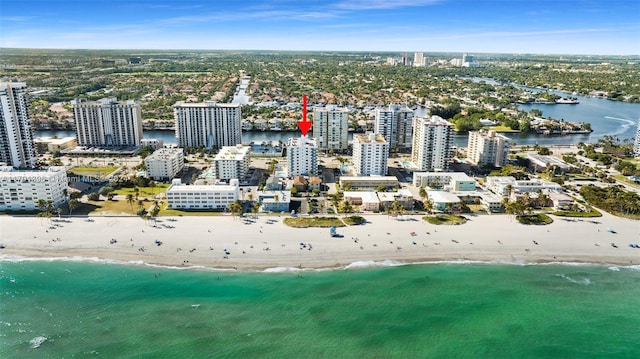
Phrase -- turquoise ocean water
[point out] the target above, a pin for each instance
(82, 310)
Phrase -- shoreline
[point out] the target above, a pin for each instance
(222, 243)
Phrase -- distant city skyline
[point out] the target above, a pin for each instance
(499, 26)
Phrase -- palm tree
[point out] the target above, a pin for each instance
(256, 209)
(428, 205)
(130, 201)
(73, 204)
(422, 193)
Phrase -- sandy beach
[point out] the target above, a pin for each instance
(269, 244)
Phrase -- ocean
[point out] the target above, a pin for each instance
(69, 309)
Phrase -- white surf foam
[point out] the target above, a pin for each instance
(37, 341)
(583, 281)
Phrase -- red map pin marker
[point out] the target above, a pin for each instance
(304, 125)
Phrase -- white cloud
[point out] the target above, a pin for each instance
(381, 4)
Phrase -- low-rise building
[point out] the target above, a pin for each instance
(502, 185)
(300, 183)
(444, 201)
(52, 145)
(541, 163)
(202, 197)
(448, 181)
(21, 190)
(366, 200)
(164, 164)
(364, 183)
(274, 201)
(403, 196)
(315, 183)
(154, 143)
(561, 201)
(491, 202)
(231, 162)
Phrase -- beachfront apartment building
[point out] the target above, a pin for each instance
(302, 156)
(274, 201)
(395, 124)
(368, 183)
(487, 148)
(432, 143)
(448, 181)
(202, 197)
(331, 128)
(21, 190)
(231, 162)
(208, 124)
(17, 148)
(636, 144)
(164, 164)
(370, 154)
(107, 123)
(507, 185)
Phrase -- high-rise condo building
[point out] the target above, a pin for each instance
(395, 124)
(370, 154)
(487, 148)
(331, 128)
(165, 163)
(208, 124)
(419, 60)
(636, 144)
(232, 162)
(17, 148)
(432, 143)
(107, 122)
(302, 156)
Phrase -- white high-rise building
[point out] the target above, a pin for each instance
(17, 148)
(232, 162)
(108, 123)
(419, 60)
(331, 128)
(208, 124)
(302, 156)
(432, 143)
(395, 124)
(165, 163)
(21, 190)
(487, 148)
(636, 144)
(370, 154)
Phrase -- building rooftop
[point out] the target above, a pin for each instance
(443, 197)
(164, 153)
(234, 153)
(433, 121)
(206, 104)
(369, 138)
(543, 161)
(366, 196)
(301, 141)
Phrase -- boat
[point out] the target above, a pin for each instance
(567, 101)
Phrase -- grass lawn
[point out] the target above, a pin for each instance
(354, 220)
(97, 207)
(93, 171)
(445, 219)
(177, 212)
(626, 181)
(590, 214)
(143, 191)
(322, 222)
(503, 129)
(538, 219)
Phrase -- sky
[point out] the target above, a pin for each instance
(596, 27)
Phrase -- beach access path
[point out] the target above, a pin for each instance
(225, 242)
